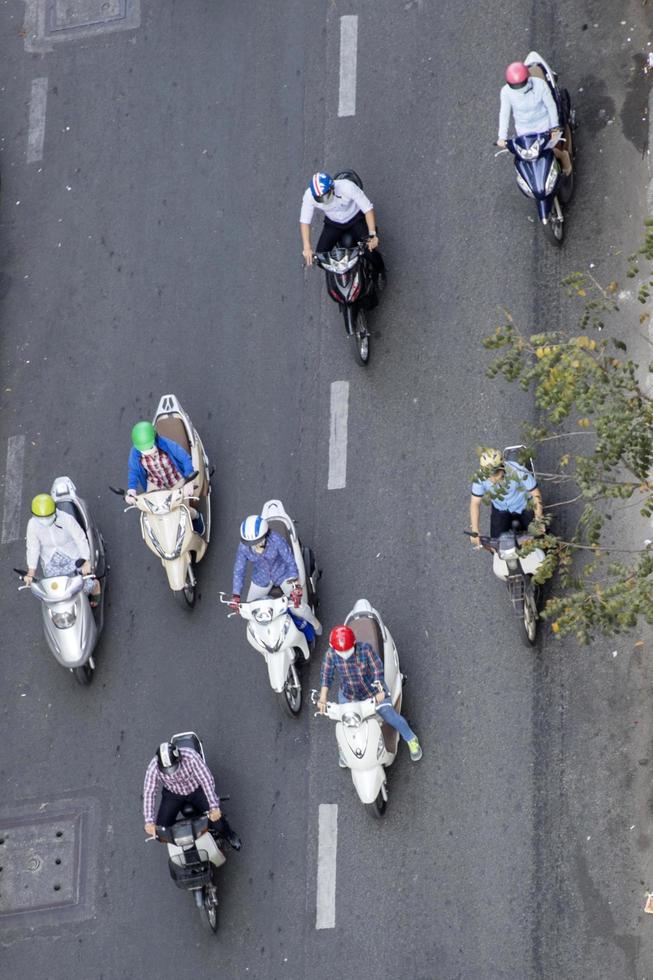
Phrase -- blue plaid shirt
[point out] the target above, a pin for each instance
(357, 675)
(275, 565)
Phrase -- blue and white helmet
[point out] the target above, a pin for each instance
(253, 529)
(321, 186)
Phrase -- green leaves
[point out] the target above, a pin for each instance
(597, 417)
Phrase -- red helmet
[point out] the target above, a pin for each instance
(342, 638)
(517, 73)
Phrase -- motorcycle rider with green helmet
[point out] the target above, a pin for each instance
(157, 463)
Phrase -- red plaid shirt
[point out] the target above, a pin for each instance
(192, 772)
(160, 469)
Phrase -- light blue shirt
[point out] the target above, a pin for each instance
(515, 489)
(533, 108)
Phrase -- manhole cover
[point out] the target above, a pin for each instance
(51, 21)
(43, 865)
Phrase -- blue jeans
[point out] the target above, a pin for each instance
(389, 715)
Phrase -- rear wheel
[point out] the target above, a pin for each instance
(209, 912)
(555, 226)
(83, 674)
(378, 808)
(187, 596)
(530, 615)
(291, 695)
(362, 338)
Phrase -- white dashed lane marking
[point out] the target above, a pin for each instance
(338, 435)
(13, 489)
(327, 849)
(36, 130)
(348, 54)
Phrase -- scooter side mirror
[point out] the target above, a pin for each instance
(193, 476)
(118, 490)
(79, 563)
(21, 571)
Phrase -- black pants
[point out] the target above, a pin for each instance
(171, 804)
(332, 232)
(501, 520)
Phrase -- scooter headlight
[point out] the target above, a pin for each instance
(552, 177)
(274, 648)
(64, 620)
(356, 736)
(181, 532)
(351, 719)
(524, 186)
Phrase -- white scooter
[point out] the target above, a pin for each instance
(516, 570)
(72, 628)
(271, 629)
(366, 743)
(166, 522)
(194, 853)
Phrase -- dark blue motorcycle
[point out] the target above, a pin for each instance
(538, 172)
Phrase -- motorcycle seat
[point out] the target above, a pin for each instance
(282, 529)
(171, 427)
(68, 507)
(366, 630)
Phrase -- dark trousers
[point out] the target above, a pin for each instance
(501, 521)
(332, 232)
(171, 804)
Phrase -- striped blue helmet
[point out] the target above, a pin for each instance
(321, 186)
(253, 529)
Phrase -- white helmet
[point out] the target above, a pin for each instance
(253, 529)
(491, 459)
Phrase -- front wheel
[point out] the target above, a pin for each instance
(187, 596)
(378, 808)
(83, 674)
(555, 226)
(291, 696)
(529, 615)
(362, 338)
(209, 912)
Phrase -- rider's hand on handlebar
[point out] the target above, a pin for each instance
(150, 829)
(235, 601)
(308, 255)
(475, 541)
(130, 497)
(215, 814)
(27, 579)
(502, 144)
(189, 489)
(373, 242)
(296, 594)
(86, 568)
(321, 707)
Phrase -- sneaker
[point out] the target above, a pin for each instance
(415, 749)
(341, 760)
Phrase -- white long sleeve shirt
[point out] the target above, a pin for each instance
(533, 108)
(64, 535)
(348, 199)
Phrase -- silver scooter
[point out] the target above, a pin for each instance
(72, 628)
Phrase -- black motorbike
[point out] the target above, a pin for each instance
(351, 281)
(195, 851)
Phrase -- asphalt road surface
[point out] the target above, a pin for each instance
(148, 243)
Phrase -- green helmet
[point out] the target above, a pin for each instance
(43, 505)
(143, 435)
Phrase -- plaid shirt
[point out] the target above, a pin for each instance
(357, 675)
(160, 469)
(192, 772)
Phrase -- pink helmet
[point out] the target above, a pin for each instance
(516, 73)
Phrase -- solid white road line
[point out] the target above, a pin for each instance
(13, 489)
(327, 848)
(348, 51)
(36, 131)
(338, 435)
